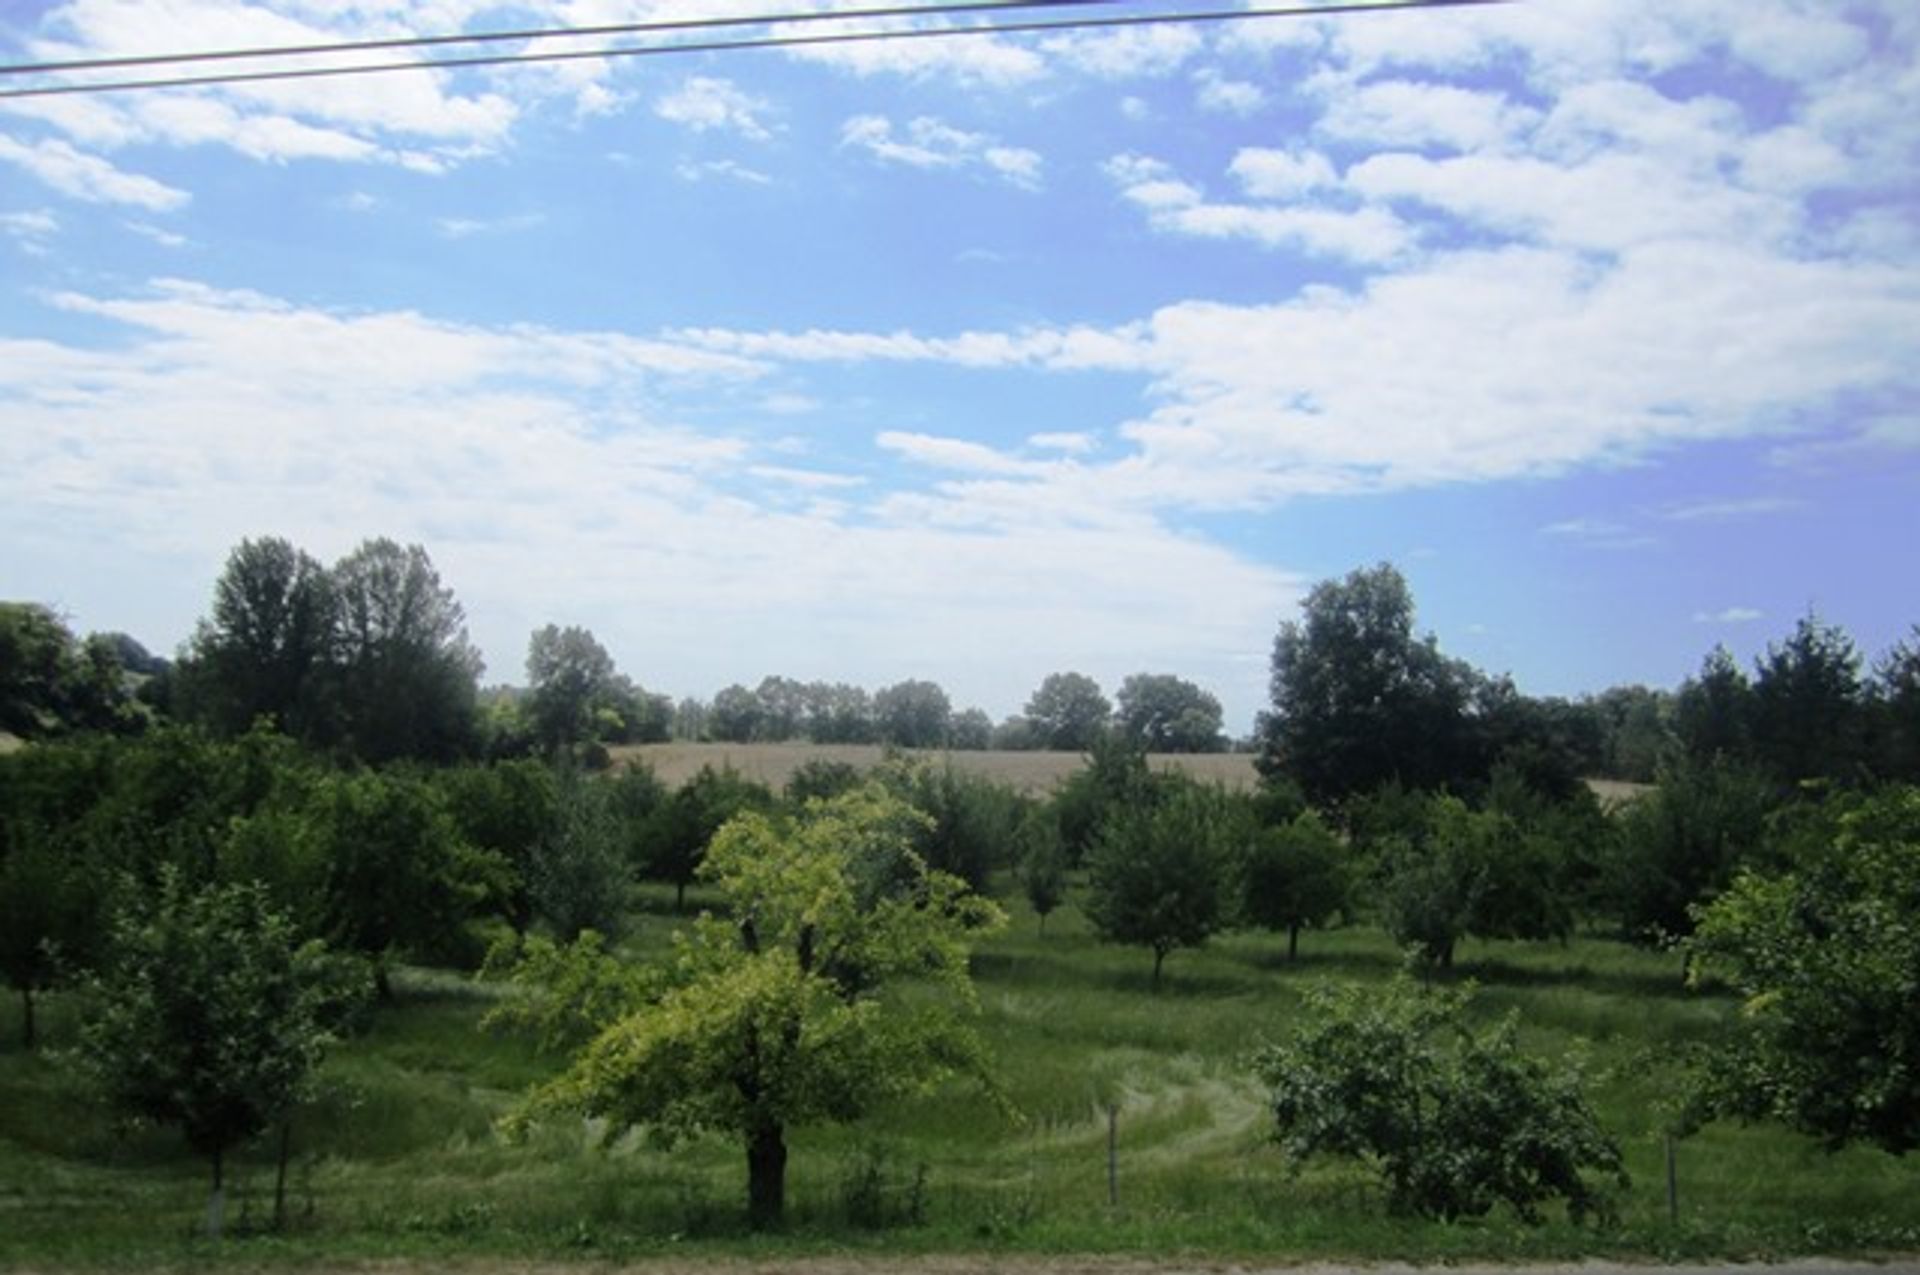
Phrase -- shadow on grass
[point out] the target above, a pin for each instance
(1494, 972)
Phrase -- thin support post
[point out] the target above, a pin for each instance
(1113, 1155)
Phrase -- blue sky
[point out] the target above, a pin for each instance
(979, 359)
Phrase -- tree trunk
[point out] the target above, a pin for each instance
(1446, 956)
(766, 1176)
(26, 1017)
(280, 1175)
(382, 981)
(679, 897)
(1159, 955)
(217, 1201)
(1293, 944)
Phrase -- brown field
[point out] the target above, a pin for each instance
(10, 742)
(1026, 772)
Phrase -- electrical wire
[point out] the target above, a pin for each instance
(946, 7)
(1185, 17)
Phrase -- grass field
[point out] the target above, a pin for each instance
(1027, 772)
(400, 1160)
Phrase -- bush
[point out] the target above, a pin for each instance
(1454, 1122)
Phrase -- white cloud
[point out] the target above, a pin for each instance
(1732, 510)
(536, 467)
(31, 228)
(1412, 113)
(1274, 174)
(165, 238)
(1127, 52)
(467, 227)
(707, 103)
(1732, 615)
(1222, 96)
(1371, 235)
(89, 177)
(1073, 443)
(724, 169)
(930, 143)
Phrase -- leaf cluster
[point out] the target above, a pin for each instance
(1455, 1121)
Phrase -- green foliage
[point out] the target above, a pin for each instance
(1067, 712)
(569, 675)
(507, 809)
(49, 920)
(1358, 701)
(1681, 844)
(1295, 876)
(911, 714)
(211, 1015)
(1116, 778)
(1163, 713)
(1714, 710)
(683, 825)
(971, 820)
(53, 683)
(565, 994)
(1454, 1122)
(398, 877)
(1808, 704)
(1158, 875)
(781, 1015)
(579, 876)
(1042, 861)
(269, 646)
(1827, 956)
(819, 778)
(408, 677)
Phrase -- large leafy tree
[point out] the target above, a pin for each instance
(569, 675)
(409, 677)
(268, 646)
(1163, 713)
(1827, 957)
(211, 1015)
(1157, 876)
(784, 1013)
(1681, 844)
(1358, 700)
(1067, 712)
(912, 714)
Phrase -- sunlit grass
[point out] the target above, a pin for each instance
(400, 1155)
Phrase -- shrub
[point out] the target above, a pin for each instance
(1455, 1122)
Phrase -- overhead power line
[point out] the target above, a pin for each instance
(1182, 17)
(531, 34)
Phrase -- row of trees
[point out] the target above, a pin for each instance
(1359, 699)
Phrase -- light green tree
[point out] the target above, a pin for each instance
(785, 1012)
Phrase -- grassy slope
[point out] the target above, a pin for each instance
(402, 1160)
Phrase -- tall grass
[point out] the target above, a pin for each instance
(399, 1156)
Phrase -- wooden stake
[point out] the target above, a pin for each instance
(1113, 1155)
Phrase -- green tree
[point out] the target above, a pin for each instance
(1067, 712)
(912, 714)
(1713, 713)
(1157, 876)
(1163, 713)
(580, 876)
(210, 1015)
(506, 809)
(1358, 701)
(398, 877)
(1681, 844)
(268, 647)
(408, 676)
(785, 1013)
(970, 731)
(49, 919)
(735, 715)
(1827, 958)
(51, 682)
(1896, 697)
(684, 824)
(1454, 1121)
(1808, 704)
(1042, 863)
(569, 676)
(1295, 876)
